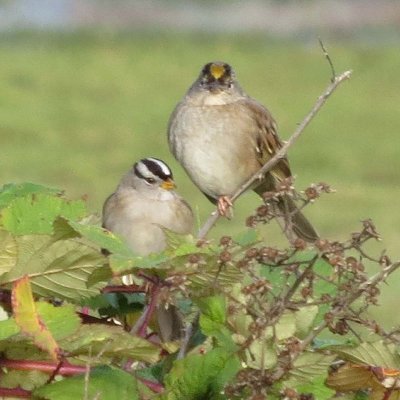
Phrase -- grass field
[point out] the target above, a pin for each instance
(77, 110)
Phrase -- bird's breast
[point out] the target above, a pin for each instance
(214, 145)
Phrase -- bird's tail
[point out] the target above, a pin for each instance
(296, 222)
(300, 225)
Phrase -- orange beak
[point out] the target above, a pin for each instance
(169, 184)
(217, 70)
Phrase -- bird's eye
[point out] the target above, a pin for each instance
(150, 180)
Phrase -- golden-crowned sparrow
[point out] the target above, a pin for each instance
(143, 205)
(222, 136)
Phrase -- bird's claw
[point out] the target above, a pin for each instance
(224, 205)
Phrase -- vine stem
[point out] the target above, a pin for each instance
(336, 81)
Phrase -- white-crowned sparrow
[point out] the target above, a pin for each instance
(222, 137)
(143, 204)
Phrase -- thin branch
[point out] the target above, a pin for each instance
(328, 58)
(283, 150)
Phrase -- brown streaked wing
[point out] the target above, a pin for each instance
(268, 142)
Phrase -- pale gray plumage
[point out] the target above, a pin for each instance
(143, 205)
(222, 137)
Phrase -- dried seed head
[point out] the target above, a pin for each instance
(300, 244)
(311, 193)
(306, 396)
(269, 253)
(194, 258)
(341, 327)
(251, 221)
(225, 256)
(262, 211)
(306, 292)
(322, 245)
(225, 241)
(252, 253)
(289, 393)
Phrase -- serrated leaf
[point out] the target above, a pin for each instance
(61, 321)
(374, 354)
(8, 328)
(309, 366)
(104, 383)
(201, 376)
(211, 273)
(11, 191)
(180, 245)
(8, 251)
(28, 319)
(102, 238)
(36, 213)
(112, 341)
(121, 265)
(58, 265)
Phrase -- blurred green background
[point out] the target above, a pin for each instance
(77, 109)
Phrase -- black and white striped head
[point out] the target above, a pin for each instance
(151, 173)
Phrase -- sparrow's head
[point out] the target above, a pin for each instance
(216, 77)
(150, 174)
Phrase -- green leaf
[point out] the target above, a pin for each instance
(209, 273)
(121, 265)
(8, 251)
(213, 318)
(286, 326)
(308, 367)
(104, 383)
(102, 238)
(261, 354)
(58, 265)
(27, 380)
(112, 341)
(247, 238)
(62, 321)
(201, 376)
(181, 245)
(214, 307)
(375, 353)
(11, 191)
(30, 322)
(324, 286)
(8, 328)
(304, 319)
(36, 213)
(317, 388)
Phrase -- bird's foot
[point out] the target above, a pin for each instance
(224, 205)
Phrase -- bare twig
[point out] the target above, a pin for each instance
(328, 58)
(283, 150)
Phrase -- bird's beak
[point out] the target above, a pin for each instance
(169, 184)
(217, 70)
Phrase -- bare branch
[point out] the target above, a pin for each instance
(327, 56)
(283, 151)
